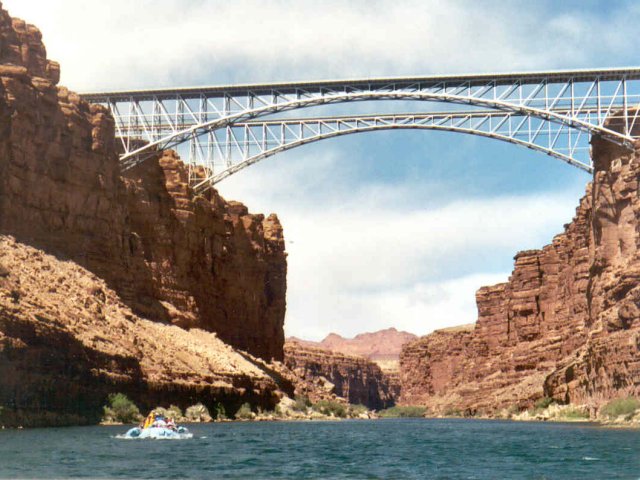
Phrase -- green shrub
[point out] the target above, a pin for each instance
(573, 413)
(453, 412)
(197, 413)
(219, 411)
(121, 409)
(543, 403)
(357, 409)
(510, 411)
(176, 412)
(409, 411)
(620, 407)
(514, 409)
(301, 403)
(331, 408)
(244, 412)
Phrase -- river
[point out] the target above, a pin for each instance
(384, 449)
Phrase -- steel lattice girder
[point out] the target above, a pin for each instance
(580, 101)
(228, 150)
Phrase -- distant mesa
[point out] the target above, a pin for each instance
(382, 347)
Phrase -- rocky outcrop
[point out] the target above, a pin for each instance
(429, 365)
(196, 262)
(212, 264)
(382, 347)
(608, 365)
(67, 341)
(565, 325)
(322, 374)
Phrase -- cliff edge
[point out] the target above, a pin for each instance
(172, 257)
(120, 283)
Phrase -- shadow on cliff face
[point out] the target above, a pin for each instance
(60, 184)
(132, 279)
(285, 384)
(161, 239)
(51, 378)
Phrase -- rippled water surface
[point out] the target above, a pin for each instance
(385, 449)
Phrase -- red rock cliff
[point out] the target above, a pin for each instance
(322, 373)
(382, 347)
(67, 341)
(565, 324)
(608, 364)
(213, 265)
(197, 262)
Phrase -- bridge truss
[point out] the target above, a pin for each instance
(229, 128)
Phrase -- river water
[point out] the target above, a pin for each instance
(384, 449)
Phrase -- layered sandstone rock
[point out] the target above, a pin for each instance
(196, 262)
(212, 264)
(382, 347)
(565, 324)
(608, 365)
(322, 374)
(67, 341)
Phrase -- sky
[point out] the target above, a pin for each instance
(383, 228)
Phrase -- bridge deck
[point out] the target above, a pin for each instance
(560, 76)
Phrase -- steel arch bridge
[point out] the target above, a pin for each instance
(231, 127)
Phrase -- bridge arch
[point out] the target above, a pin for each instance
(355, 127)
(131, 158)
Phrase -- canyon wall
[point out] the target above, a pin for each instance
(565, 325)
(212, 264)
(120, 283)
(67, 342)
(381, 347)
(321, 374)
(195, 262)
(608, 364)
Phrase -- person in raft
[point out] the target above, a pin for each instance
(148, 422)
(171, 425)
(157, 420)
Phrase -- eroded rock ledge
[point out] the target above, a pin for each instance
(567, 323)
(196, 262)
(67, 341)
(322, 374)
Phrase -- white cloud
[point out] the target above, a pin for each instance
(419, 308)
(128, 43)
(368, 256)
(366, 245)
(364, 255)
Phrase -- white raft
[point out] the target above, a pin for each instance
(158, 433)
